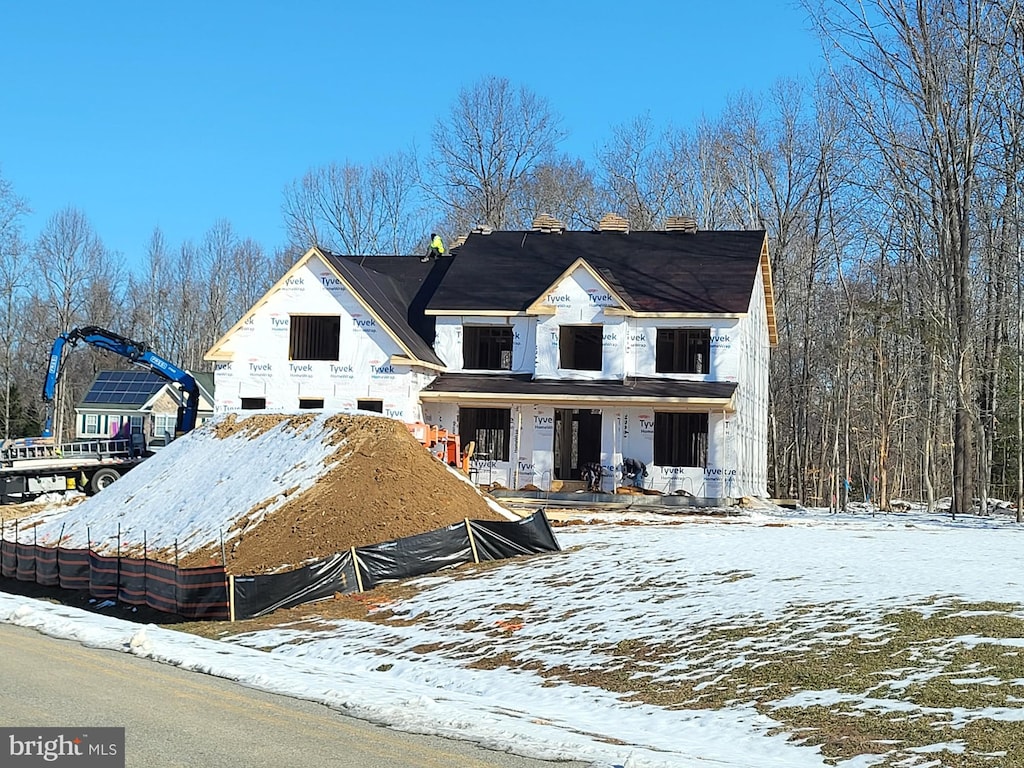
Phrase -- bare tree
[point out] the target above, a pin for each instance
(918, 78)
(703, 190)
(148, 293)
(183, 301)
(566, 189)
(356, 209)
(253, 273)
(486, 149)
(73, 270)
(744, 131)
(1007, 174)
(637, 171)
(13, 284)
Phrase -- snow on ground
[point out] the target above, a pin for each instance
(193, 490)
(817, 575)
(191, 494)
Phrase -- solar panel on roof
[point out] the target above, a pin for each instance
(123, 388)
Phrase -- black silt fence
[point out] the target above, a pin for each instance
(193, 593)
(208, 593)
(25, 570)
(414, 555)
(500, 540)
(73, 568)
(202, 593)
(363, 568)
(104, 575)
(259, 595)
(8, 559)
(161, 586)
(47, 570)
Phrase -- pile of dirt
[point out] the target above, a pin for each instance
(384, 485)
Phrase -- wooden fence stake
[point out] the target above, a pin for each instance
(472, 541)
(355, 565)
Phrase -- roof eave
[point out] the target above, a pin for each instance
(494, 398)
(769, 294)
(476, 312)
(406, 360)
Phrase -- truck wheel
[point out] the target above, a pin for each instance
(101, 479)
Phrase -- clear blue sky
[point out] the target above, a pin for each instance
(179, 114)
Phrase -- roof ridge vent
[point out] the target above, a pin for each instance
(687, 224)
(545, 222)
(612, 222)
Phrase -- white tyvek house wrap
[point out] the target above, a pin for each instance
(751, 417)
(625, 433)
(260, 367)
(449, 338)
(578, 299)
(737, 442)
(737, 453)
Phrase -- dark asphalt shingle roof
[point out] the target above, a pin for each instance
(206, 382)
(523, 384)
(396, 288)
(705, 272)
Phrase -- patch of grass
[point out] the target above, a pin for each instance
(874, 711)
(731, 576)
(918, 678)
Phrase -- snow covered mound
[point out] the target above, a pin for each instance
(276, 489)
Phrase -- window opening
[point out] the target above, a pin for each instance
(681, 439)
(683, 350)
(314, 337)
(489, 428)
(487, 347)
(579, 347)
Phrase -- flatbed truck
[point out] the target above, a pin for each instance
(34, 466)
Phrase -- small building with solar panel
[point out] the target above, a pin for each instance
(119, 404)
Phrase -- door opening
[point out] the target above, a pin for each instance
(577, 441)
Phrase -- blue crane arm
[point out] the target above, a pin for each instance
(190, 388)
(135, 351)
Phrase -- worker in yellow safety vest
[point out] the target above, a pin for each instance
(436, 248)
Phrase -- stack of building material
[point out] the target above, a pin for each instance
(612, 222)
(686, 224)
(545, 222)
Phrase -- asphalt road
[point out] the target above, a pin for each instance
(174, 717)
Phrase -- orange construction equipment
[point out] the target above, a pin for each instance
(440, 442)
